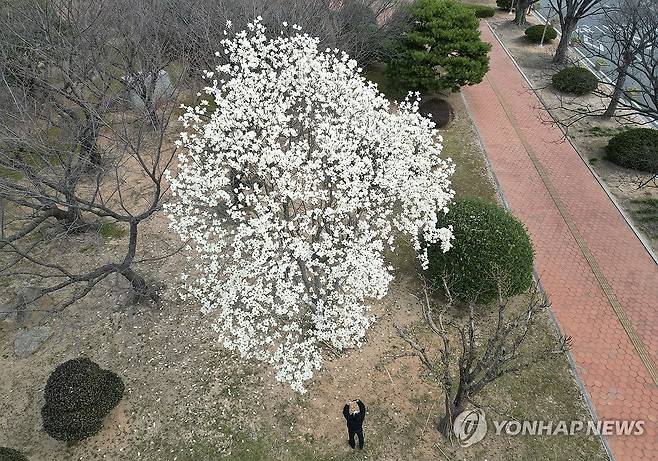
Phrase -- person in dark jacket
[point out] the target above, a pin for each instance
(355, 412)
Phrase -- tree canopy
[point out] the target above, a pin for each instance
(442, 50)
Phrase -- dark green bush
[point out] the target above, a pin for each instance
(490, 246)
(78, 395)
(636, 148)
(481, 11)
(504, 4)
(535, 33)
(575, 80)
(9, 454)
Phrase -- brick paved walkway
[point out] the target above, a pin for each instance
(602, 283)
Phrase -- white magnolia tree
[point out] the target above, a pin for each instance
(292, 183)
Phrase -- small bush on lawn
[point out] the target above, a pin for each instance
(636, 148)
(504, 4)
(575, 80)
(535, 33)
(481, 11)
(490, 245)
(79, 394)
(9, 454)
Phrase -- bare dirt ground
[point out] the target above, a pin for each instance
(188, 399)
(590, 135)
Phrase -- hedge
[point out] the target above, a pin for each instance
(636, 148)
(575, 80)
(490, 245)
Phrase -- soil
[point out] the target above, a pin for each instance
(187, 398)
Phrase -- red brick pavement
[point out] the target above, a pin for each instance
(594, 268)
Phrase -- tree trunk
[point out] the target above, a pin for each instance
(453, 409)
(619, 88)
(521, 13)
(137, 281)
(88, 141)
(143, 292)
(568, 28)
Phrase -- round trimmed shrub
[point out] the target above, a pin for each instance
(504, 4)
(575, 80)
(490, 246)
(9, 454)
(438, 110)
(535, 33)
(636, 148)
(78, 395)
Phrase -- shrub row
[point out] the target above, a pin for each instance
(9, 454)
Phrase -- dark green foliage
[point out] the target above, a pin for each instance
(491, 246)
(9, 454)
(442, 51)
(481, 11)
(575, 80)
(504, 4)
(535, 33)
(636, 148)
(78, 395)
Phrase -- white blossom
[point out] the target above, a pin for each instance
(290, 192)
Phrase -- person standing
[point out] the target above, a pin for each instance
(355, 412)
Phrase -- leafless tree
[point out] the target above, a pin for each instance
(626, 45)
(478, 348)
(85, 136)
(88, 93)
(628, 40)
(570, 12)
(358, 27)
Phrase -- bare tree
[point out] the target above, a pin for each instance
(570, 12)
(627, 46)
(358, 27)
(478, 348)
(627, 31)
(77, 149)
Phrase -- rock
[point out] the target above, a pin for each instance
(28, 341)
